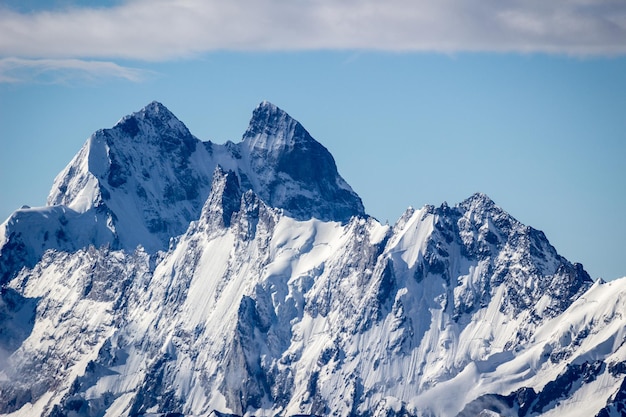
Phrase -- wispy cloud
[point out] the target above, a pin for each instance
(167, 29)
(20, 70)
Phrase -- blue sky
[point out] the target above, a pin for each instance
(419, 102)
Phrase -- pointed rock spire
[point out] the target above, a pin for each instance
(293, 171)
(224, 199)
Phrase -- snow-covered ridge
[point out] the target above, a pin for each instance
(141, 182)
(263, 289)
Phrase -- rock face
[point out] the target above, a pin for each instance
(171, 276)
(290, 170)
(144, 180)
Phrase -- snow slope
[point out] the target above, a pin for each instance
(281, 297)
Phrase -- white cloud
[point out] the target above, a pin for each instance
(168, 29)
(20, 70)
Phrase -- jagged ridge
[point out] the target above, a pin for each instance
(264, 305)
(143, 181)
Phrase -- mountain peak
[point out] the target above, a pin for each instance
(480, 206)
(155, 111)
(268, 105)
(149, 169)
(153, 119)
(293, 171)
(270, 122)
(478, 200)
(154, 108)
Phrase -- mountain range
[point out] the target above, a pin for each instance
(168, 276)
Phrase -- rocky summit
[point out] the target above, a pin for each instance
(173, 277)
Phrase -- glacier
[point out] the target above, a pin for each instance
(173, 277)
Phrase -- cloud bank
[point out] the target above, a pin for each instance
(167, 29)
(161, 30)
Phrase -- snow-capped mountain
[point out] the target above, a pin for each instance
(144, 180)
(171, 276)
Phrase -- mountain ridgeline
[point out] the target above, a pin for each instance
(170, 276)
(144, 180)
